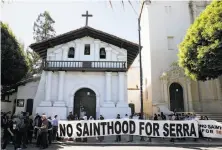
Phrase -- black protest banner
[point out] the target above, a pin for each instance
(93, 128)
(210, 128)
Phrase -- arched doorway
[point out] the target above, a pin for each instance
(176, 97)
(85, 98)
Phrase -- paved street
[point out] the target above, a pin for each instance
(156, 144)
(71, 147)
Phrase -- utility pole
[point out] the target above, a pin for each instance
(140, 58)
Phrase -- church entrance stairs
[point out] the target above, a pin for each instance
(211, 116)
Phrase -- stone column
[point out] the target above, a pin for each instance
(219, 91)
(190, 101)
(47, 101)
(108, 96)
(122, 101)
(60, 101)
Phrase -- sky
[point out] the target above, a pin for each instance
(120, 21)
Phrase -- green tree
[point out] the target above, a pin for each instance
(43, 27)
(14, 62)
(42, 30)
(34, 62)
(200, 53)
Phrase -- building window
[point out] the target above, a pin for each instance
(71, 53)
(168, 9)
(170, 41)
(2, 97)
(87, 49)
(102, 53)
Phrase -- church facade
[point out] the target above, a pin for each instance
(84, 70)
(166, 88)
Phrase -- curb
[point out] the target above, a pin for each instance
(143, 144)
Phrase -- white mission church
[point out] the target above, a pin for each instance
(83, 70)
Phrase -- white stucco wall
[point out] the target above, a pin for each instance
(8, 106)
(133, 83)
(73, 80)
(27, 91)
(173, 20)
(60, 52)
(93, 80)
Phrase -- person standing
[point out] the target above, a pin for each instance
(30, 130)
(54, 128)
(70, 116)
(44, 131)
(131, 136)
(155, 117)
(85, 118)
(36, 123)
(163, 117)
(38, 131)
(173, 118)
(159, 117)
(118, 137)
(141, 118)
(126, 116)
(101, 138)
(49, 130)
(22, 130)
(76, 117)
(8, 133)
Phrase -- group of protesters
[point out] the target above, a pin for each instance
(179, 116)
(21, 129)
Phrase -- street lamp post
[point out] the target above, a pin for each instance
(140, 58)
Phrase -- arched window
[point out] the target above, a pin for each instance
(71, 53)
(102, 53)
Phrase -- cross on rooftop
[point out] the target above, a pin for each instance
(86, 15)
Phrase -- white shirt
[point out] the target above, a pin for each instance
(173, 117)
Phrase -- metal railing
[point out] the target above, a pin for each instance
(85, 65)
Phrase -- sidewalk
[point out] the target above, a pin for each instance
(110, 141)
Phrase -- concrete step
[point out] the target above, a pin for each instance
(211, 116)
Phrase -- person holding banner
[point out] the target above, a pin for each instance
(155, 117)
(54, 127)
(43, 131)
(84, 118)
(141, 137)
(131, 136)
(118, 137)
(101, 138)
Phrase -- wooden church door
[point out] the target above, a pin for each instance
(29, 106)
(176, 97)
(85, 98)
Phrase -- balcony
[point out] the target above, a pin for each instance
(93, 66)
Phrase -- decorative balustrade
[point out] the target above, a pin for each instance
(85, 66)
